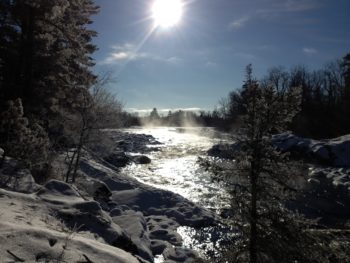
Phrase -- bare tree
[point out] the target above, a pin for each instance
(99, 109)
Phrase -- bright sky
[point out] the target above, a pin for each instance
(200, 59)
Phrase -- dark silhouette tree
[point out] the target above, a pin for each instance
(266, 230)
(154, 114)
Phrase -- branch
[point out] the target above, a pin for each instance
(15, 257)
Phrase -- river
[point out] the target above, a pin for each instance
(175, 167)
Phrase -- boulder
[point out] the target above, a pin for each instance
(118, 159)
(142, 159)
(13, 177)
(224, 151)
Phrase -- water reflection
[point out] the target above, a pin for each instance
(175, 168)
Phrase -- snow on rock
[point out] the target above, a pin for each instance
(86, 216)
(104, 217)
(225, 151)
(179, 254)
(148, 215)
(14, 177)
(333, 152)
(327, 195)
(130, 142)
(30, 230)
(147, 199)
(134, 224)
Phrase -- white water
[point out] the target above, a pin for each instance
(175, 168)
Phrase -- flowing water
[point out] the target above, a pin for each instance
(175, 168)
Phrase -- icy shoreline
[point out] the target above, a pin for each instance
(326, 191)
(104, 217)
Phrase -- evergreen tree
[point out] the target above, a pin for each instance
(266, 230)
(45, 54)
(26, 141)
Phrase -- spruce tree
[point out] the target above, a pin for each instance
(266, 230)
(46, 54)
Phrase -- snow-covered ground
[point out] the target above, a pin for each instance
(104, 217)
(326, 193)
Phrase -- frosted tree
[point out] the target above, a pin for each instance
(45, 55)
(263, 181)
(19, 138)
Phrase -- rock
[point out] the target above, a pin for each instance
(133, 143)
(142, 159)
(154, 201)
(333, 152)
(55, 187)
(158, 246)
(13, 177)
(116, 212)
(179, 254)
(225, 151)
(326, 195)
(118, 159)
(134, 224)
(164, 234)
(1, 152)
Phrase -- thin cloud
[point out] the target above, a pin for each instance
(128, 52)
(174, 60)
(239, 23)
(309, 51)
(145, 112)
(301, 6)
(210, 64)
(276, 8)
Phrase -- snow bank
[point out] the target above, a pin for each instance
(148, 215)
(30, 230)
(333, 152)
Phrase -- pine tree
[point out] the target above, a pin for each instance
(45, 63)
(26, 141)
(45, 54)
(266, 230)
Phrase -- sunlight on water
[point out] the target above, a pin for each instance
(175, 168)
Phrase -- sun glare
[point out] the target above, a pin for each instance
(167, 13)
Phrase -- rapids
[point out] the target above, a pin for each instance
(175, 167)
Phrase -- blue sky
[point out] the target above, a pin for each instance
(203, 58)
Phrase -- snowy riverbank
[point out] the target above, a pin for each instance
(326, 191)
(104, 217)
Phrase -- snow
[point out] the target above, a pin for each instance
(104, 217)
(30, 230)
(334, 152)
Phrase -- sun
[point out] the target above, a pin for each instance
(167, 13)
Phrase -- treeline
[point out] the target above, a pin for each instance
(181, 118)
(325, 104)
(50, 99)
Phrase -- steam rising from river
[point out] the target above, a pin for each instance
(174, 119)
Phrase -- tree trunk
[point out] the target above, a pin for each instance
(253, 217)
(77, 160)
(69, 170)
(2, 161)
